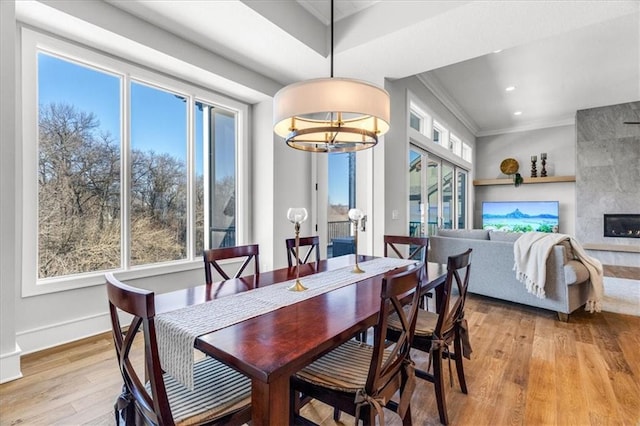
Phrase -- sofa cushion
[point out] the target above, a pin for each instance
(504, 236)
(575, 272)
(568, 251)
(473, 234)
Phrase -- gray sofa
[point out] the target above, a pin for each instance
(492, 273)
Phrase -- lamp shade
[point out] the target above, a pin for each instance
(331, 114)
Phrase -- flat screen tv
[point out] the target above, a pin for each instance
(520, 216)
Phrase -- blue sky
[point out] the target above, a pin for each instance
(338, 178)
(60, 82)
(158, 119)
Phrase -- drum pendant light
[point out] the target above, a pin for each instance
(331, 114)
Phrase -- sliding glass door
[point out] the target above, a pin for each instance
(437, 194)
(416, 194)
(461, 198)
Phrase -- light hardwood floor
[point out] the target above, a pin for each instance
(527, 368)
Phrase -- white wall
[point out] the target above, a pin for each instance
(560, 145)
(9, 243)
(281, 179)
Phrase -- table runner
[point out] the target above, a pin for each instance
(177, 330)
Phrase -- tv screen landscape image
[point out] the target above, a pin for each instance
(520, 216)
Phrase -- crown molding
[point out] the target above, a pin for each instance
(434, 85)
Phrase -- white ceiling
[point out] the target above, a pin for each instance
(561, 55)
(321, 9)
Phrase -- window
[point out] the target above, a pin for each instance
(158, 175)
(440, 134)
(415, 121)
(140, 171)
(466, 152)
(79, 159)
(418, 119)
(216, 129)
(455, 145)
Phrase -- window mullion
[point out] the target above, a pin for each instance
(125, 173)
(206, 170)
(191, 172)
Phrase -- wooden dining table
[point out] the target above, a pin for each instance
(269, 348)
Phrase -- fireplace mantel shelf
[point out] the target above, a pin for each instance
(509, 181)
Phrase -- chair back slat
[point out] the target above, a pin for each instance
(211, 258)
(396, 288)
(312, 244)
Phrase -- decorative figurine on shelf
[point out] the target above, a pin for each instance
(517, 180)
(543, 156)
(534, 172)
(355, 215)
(297, 216)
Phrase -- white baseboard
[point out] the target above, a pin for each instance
(10, 365)
(52, 335)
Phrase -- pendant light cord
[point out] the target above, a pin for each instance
(331, 38)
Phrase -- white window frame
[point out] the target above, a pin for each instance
(456, 145)
(33, 42)
(467, 152)
(425, 119)
(420, 120)
(444, 134)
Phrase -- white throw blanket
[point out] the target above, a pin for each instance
(531, 251)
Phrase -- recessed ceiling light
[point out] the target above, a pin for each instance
(510, 88)
(517, 113)
(497, 51)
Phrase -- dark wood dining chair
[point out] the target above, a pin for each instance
(435, 332)
(360, 379)
(211, 258)
(406, 247)
(221, 395)
(310, 243)
(418, 247)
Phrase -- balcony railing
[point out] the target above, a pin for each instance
(338, 229)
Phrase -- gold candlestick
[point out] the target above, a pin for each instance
(356, 215)
(297, 216)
